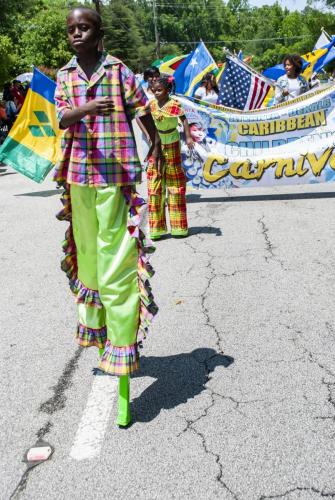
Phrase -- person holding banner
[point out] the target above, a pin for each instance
(292, 84)
(169, 175)
(208, 90)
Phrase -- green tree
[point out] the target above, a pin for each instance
(9, 10)
(7, 58)
(35, 34)
(43, 41)
(122, 34)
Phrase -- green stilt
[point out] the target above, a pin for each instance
(124, 418)
(101, 351)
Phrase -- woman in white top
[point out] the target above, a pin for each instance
(150, 75)
(208, 90)
(292, 84)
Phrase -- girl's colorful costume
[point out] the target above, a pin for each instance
(106, 253)
(172, 176)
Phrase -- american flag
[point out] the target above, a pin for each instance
(240, 88)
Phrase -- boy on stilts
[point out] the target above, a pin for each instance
(105, 250)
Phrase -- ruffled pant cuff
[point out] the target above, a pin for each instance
(119, 360)
(88, 337)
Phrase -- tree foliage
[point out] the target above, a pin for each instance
(6, 57)
(122, 33)
(43, 41)
(32, 32)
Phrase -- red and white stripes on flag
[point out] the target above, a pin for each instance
(259, 89)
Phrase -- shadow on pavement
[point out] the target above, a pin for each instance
(192, 231)
(178, 378)
(198, 198)
(3, 171)
(43, 194)
(204, 230)
(6, 173)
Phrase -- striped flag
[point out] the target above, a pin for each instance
(240, 87)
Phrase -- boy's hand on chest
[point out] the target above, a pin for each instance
(100, 106)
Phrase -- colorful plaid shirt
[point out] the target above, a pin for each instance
(100, 150)
(166, 118)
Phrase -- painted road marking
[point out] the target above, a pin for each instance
(92, 427)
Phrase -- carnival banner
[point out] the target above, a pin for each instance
(291, 143)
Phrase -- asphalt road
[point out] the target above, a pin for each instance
(235, 398)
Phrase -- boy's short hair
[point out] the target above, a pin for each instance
(94, 14)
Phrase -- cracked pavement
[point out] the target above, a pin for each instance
(235, 398)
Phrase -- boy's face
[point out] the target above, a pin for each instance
(82, 30)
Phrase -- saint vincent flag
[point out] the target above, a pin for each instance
(33, 143)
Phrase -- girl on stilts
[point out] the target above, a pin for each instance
(169, 174)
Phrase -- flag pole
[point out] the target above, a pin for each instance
(326, 34)
(157, 38)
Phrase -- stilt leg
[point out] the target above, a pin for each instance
(101, 351)
(124, 418)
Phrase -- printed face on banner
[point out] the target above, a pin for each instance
(198, 134)
(292, 143)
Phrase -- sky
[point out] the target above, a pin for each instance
(290, 4)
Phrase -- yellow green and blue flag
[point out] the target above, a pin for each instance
(33, 143)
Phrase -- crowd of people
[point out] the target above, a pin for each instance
(207, 91)
(13, 97)
(288, 86)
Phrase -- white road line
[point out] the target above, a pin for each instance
(92, 427)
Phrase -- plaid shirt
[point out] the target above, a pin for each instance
(100, 150)
(166, 118)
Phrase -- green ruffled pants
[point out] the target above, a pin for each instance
(107, 260)
(107, 263)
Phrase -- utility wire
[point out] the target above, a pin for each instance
(239, 40)
(284, 37)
